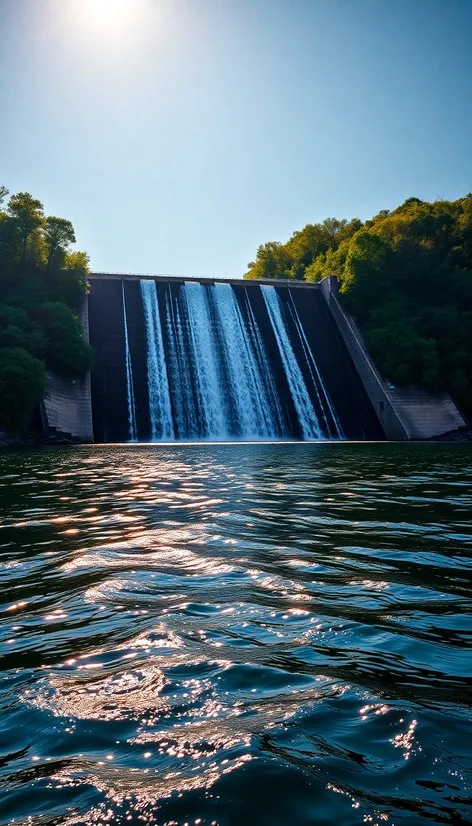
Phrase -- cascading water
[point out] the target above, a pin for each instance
(181, 373)
(265, 370)
(309, 424)
(253, 414)
(158, 384)
(209, 376)
(132, 428)
(329, 413)
(209, 373)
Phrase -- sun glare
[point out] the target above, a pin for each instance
(107, 15)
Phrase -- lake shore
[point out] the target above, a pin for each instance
(36, 439)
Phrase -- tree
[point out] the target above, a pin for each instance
(272, 261)
(405, 356)
(22, 380)
(27, 215)
(59, 235)
(296, 259)
(66, 350)
(41, 284)
(367, 271)
(406, 275)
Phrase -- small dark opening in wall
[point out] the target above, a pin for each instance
(381, 406)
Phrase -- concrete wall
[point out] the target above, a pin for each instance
(67, 404)
(404, 413)
(109, 392)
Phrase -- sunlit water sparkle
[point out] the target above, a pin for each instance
(236, 634)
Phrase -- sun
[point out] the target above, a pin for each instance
(106, 14)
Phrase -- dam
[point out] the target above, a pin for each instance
(179, 359)
(185, 360)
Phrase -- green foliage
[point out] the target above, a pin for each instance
(66, 350)
(26, 215)
(272, 261)
(295, 258)
(70, 282)
(14, 316)
(21, 385)
(59, 235)
(368, 271)
(406, 275)
(408, 280)
(42, 285)
(406, 356)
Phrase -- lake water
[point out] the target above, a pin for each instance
(240, 635)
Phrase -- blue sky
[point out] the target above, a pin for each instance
(177, 135)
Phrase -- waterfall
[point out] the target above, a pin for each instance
(280, 425)
(132, 429)
(160, 409)
(209, 375)
(321, 393)
(180, 373)
(303, 405)
(252, 411)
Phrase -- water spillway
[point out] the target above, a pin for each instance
(131, 404)
(160, 410)
(307, 418)
(188, 360)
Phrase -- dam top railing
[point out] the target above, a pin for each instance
(181, 279)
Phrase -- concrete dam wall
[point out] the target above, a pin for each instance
(205, 360)
(180, 359)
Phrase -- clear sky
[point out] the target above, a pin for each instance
(177, 135)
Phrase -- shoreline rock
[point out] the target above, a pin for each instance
(37, 439)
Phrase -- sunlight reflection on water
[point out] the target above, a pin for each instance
(229, 634)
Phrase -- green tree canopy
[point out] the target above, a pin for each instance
(26, 214)
(406, 275)
(59, 235)
(42, 285)
(21, 385)
(293, 259)
(66, 350)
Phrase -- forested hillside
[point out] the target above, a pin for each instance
(41, 285)
(406, 276)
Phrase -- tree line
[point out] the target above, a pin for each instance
(406, 275)
(42, 285)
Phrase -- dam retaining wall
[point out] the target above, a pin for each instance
(67, 404)
(405, 413)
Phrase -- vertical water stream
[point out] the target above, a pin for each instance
(205, 356)
(209, 373)
(132, 428)
(308, 419)
(160, 410)
(253, 414)
(331, 420)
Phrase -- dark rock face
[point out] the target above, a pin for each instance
(37, 439)
(464, 434)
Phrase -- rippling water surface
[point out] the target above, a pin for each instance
(236, 635)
